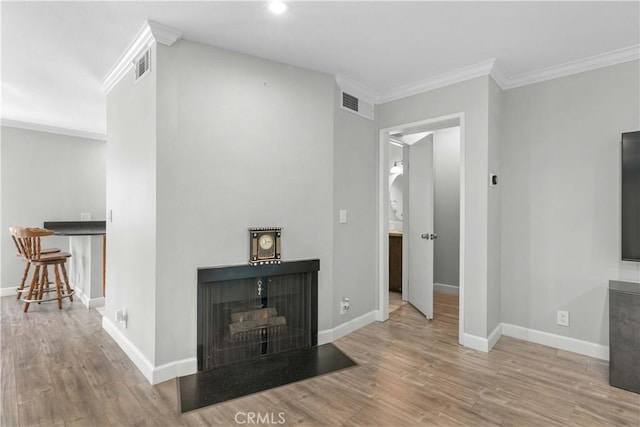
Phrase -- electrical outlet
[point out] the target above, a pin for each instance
(344, 306)
(343, 216)
(563, 318)
(121, 317)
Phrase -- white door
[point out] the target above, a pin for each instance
(421, 233)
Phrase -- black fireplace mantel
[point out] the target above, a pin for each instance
(247, 271)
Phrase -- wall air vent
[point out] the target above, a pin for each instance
(143, 65)
(355, 97)
(349, 101)
(356, 105)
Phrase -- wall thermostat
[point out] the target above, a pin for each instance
(493, 180)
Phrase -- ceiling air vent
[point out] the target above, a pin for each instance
(349, 101)
(143, 65)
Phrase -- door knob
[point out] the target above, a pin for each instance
(434, 236)
(425, 236)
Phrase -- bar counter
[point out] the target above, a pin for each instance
(88, 257)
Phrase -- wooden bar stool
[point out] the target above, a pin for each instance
(28, 240)
(27, 264)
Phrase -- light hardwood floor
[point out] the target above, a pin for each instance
(61, 368)
(395, 301)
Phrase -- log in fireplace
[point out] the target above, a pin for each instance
(249, 311)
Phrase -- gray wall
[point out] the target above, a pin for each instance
(354, 188)
(470, 97)
(494, 244)
(242, 142)
(446, 159)
(46, 177)
(561, 199)
(131, 195)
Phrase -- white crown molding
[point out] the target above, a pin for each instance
(357, 89)
(619, 56)
(163, 34)
(52, 129)
(456, 76)
(489, 67)
(498, 76)
(149, 33)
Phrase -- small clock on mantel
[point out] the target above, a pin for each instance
(264, 245)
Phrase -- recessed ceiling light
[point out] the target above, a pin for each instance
(278, 7)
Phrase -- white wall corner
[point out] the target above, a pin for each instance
(142, 363)
(325, 337)
(52, 129)
(482, 344)
(494, 336)
(367, 97)
(153, 374)
(149, 33)
(330, 335)
(627, 54)
(176, 369)
(447, 289)
(163, 34)
(561, 342)
(498, 75)
(88, 302)
(475, 342)
(357, 89)
(453, 77)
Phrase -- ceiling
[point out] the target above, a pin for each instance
(55, 54)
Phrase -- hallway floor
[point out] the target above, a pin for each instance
(60, 368)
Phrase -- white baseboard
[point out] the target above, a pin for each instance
(330, 335)
(494, 336)
(447, 289)
(325, 336)
(475, 342)
(561, 342)
(5, 292)
(89, 302)
(153, 374)
(136, 356)
(176, 369)
(482, 344)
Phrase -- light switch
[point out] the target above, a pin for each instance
(343, 216)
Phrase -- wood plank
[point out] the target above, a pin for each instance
(60, 368)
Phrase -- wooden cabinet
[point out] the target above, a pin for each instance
(395, 262)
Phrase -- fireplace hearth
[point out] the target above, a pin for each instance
(257, 329)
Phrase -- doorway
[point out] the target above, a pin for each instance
(410, 135)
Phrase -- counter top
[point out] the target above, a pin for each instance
(624, 286)
(77, 228)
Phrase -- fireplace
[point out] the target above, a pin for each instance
(247, 312)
